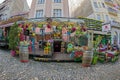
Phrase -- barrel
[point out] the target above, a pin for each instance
(87, 58)
(24, 54)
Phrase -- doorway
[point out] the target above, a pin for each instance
(57, 46)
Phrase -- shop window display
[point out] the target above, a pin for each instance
(62, 39)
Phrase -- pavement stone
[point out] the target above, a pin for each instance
(12, 69)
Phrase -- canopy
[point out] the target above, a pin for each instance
(6, 25)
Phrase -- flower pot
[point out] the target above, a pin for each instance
(13, 53)
(87, 58)
(24, 54)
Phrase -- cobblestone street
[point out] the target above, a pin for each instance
(12, 69)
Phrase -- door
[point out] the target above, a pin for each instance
(57, 46)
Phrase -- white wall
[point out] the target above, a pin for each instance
(91, 16)
(113, 33)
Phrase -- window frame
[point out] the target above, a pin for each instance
(107, 17)
(95, 4)
(99, 4)
(39, 13)
(57, 12)
(103, 5)
(41, 1)
(57, 1)
(98, 16)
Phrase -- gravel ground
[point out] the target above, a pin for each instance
(12, 69)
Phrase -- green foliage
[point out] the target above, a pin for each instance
(91, 23)
(97, 42)
(40, 25)
(13, 36)
(114, 59)
(83, 40)
(101, 60)
(95, 59)
(78, 59)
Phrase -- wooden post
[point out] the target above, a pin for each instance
(90, 40)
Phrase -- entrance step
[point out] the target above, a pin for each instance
(40, 56)
(50, 60)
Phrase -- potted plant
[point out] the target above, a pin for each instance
(13, 38)
(96, 53)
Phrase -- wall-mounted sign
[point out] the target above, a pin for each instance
(106, 28)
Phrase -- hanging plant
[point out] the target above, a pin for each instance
(59, 27)
(71, 24)
(40, 25)
(29, 26)
(19, 29)
(70, 27)
(55, 23)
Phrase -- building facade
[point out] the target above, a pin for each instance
(10, 8)
(104, 10)
(49, 8)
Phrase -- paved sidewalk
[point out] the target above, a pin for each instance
(12, 69)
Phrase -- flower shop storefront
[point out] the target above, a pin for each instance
(59, 39)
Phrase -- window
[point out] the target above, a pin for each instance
(103, 5)
(95, 5)
(107, 18)
(57, 13)
(99, 4)
(115, 37)
(39, 13)
(98, 17)
(41, 1)
(57, 1)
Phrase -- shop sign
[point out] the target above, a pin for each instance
(106, 28)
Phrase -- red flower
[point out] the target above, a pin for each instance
(78, 53)
(26, 26)
(48, 26)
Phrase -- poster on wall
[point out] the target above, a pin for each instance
(106, 28)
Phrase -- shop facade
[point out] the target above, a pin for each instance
(55, 38)
(115, 33)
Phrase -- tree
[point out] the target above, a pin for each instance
(13, 36)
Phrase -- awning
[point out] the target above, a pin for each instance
(6, 25)
(101, 33)
(10, 24)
